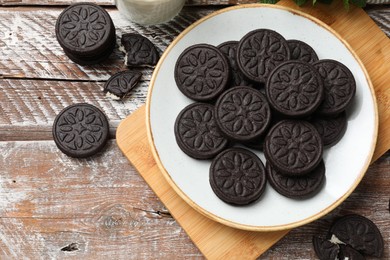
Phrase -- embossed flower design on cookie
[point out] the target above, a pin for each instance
(196, 131)
(80, 130)
(200, 131)
(295, 88)
(202, 72)
(238, 176)
(294, 146)
(83, 26)
(259, 52)
(339, 86)
(243, 113)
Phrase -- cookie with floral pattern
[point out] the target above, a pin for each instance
(237, 176)
(297, 187)
(300, 50)
(237, 78)
(80, 130)
(339, 86)
(139, 51)
(330, 128)
(86, 32)
(196, 132)
(295, 89)
(293, 147)
(242, 113)
(202, 72)
(259, 52)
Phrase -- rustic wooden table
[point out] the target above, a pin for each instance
(52, 206)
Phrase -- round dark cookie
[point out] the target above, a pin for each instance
(85, 60)
(242, 113)
(325, 250)
(259, 52)
(339, 86)
(202, 72)
(295, 89)
(121, 83)
(297, 187)
(196, 132)
(85, 30)
(237, 176)
(293, 147)
(360, 233)
(331, 129)
(80, 130)
(237, 78)
(302, 51)
(139, 50)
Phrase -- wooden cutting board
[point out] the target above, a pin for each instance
(215, 240)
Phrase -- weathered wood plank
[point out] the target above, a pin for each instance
(28, 107)
(49, 201)
(29, 48)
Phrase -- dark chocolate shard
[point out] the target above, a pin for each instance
(120, 84)
(139, 50)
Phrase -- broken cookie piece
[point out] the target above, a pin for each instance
(139, 50)
(120, 84)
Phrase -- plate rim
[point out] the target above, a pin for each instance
(222, 220)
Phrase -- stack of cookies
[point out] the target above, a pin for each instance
(86, 33)
(266, 93)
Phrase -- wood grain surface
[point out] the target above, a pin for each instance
(54, 207)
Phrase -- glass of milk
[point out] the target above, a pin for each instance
(148, 12)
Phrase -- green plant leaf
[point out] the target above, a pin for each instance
(269, 1)
(346, 4)
(325, 1)
(360, 3)
(300, 2)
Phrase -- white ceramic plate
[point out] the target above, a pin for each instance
(346, 162)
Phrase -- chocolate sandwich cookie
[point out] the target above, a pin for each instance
(360, 233)
(295, 89)
(331, 129)
(259, 52)
(120, 84)
(80, 130)
(325, 250)
(86, 33)
(139, 50)
(196, 132)
(339, 86)
(237, 176)
(297, 187)
(242, 114)
(202, 72)
(348, 253)
(293, 147)
(302, 51)
(237, 78)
